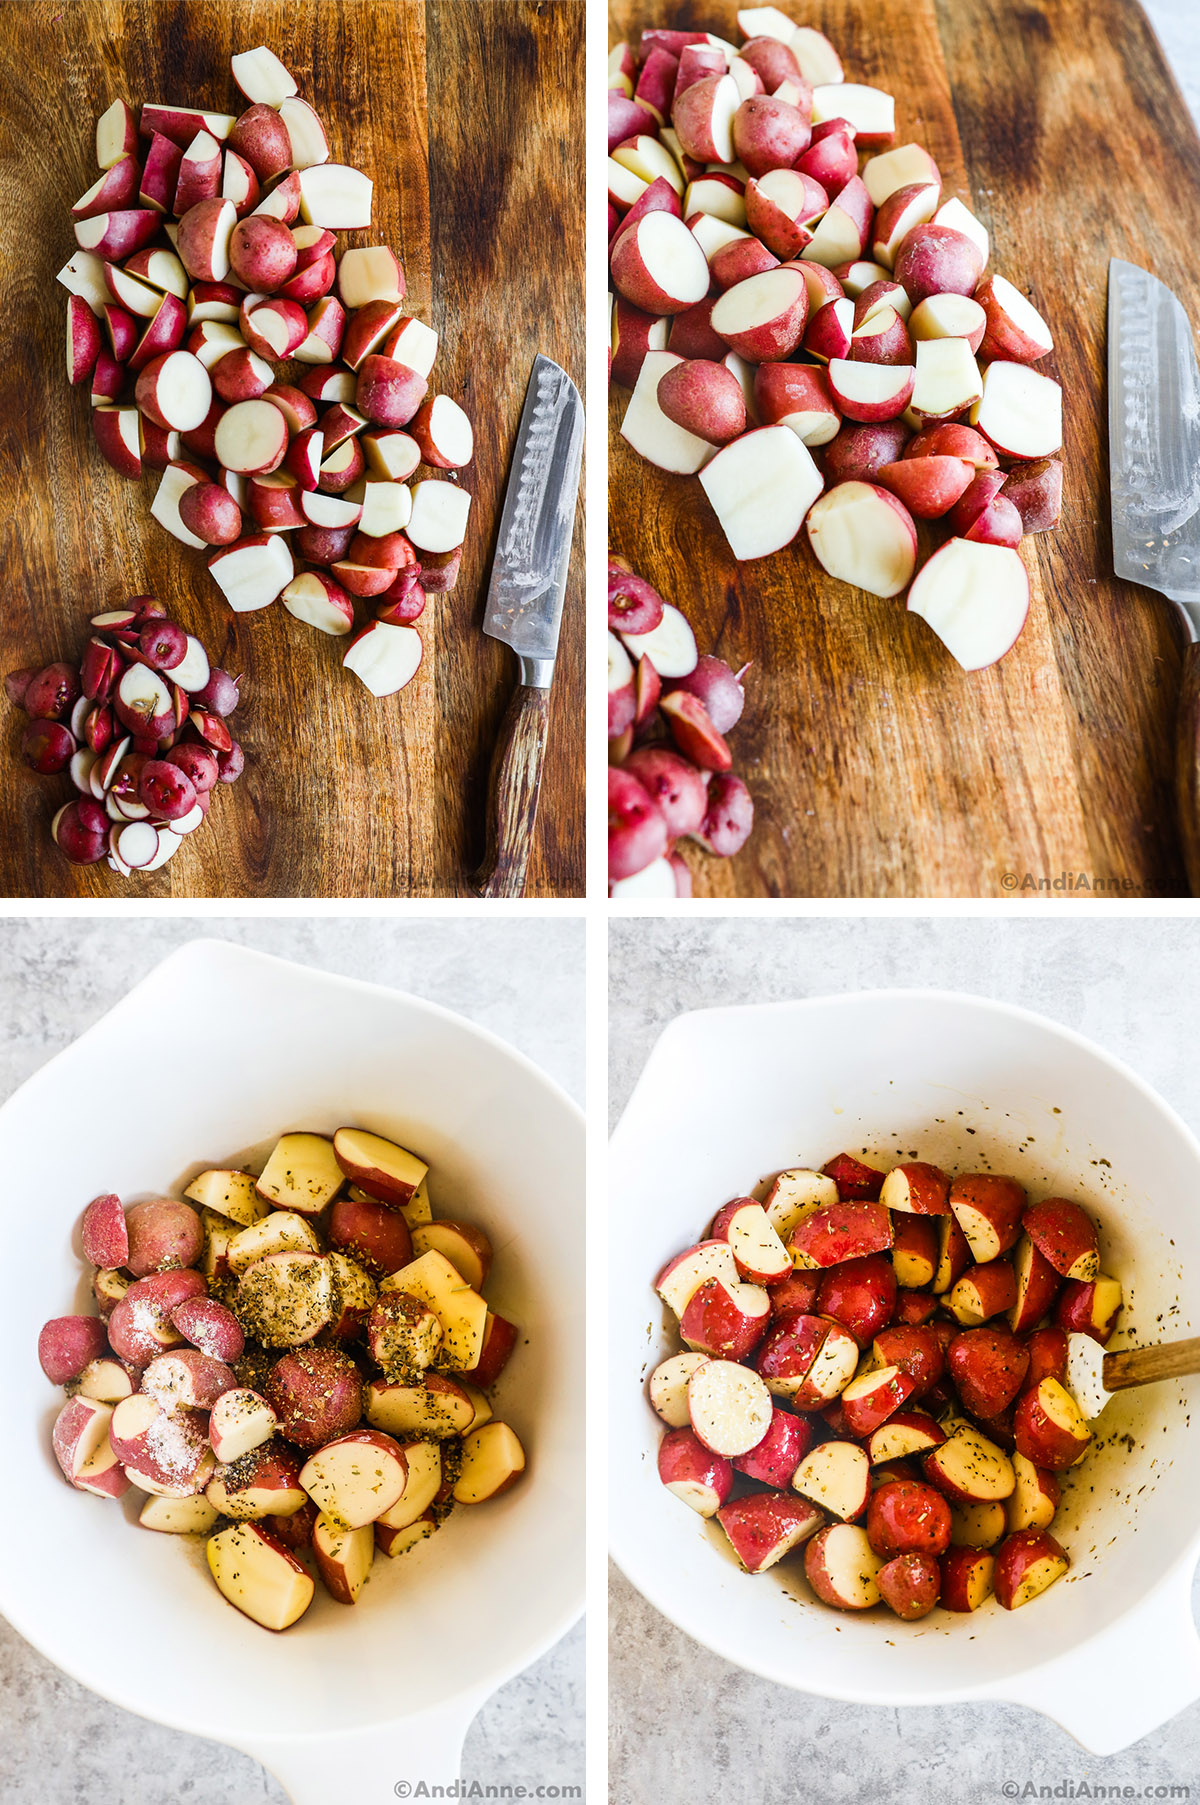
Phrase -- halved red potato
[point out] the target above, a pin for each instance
(969, 1468)
(492, 1460)
(830, 1372)
(856, 1182)
(830, 330)
(881, 338)
(259, 1576)
(782, 209)
(378, 1166)
(954, 1255)
(460, 1309)
(726, 1321)
(139, 1326)
(870, 392)
(668, 1388)
(915, 1348)
(837, 1476)
(966, 1578)
(466, 1247)
(767, 1525)
(1035, 1497)
(988, 1208)
(263, 1483)
(1027, 1563)
(860, 1294)
(343, 1556)
(684, 1275)
(1049, 1427)
(357, 1477)
(186, 1379)
(393, 1542)
(286, 1299)
(842, 1231)
(909, 1585)
(240, 1421)
(906, 1432)
(68, 1344)
(842, 1567)
(730, 1407)
(1015, 329)
(103, 1231)
(760, 1254)
(499, 1340)
(1090, 1307)
(702, 1479)
(168, 1454)
(787, 1355)
(1065, 1235)
(424, 1459)
(438, 1407)
(763, 318)
(870, 1399)
(912, 205)
(775, 1458)
(981, 1524)
(658, 266)
(177, 1516)
(375, 1235)
(81, 1428)
(796, 1193)
(917, 1187)
(983, 1292)
(905, 1516)
(797, 396)
(988, 1365)
(279, 1231)
(863, 535)
(845, 229)
(1037, 1287)
(211, 1327)
(301, 1174)
(1048, 1350)
(914, 1250)
(928, 487)
(107, 1380)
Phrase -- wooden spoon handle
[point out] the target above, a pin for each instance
(1140, 1365)
(1187, 765)
(513, 793)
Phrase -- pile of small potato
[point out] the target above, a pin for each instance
(293, 1364)
(808, 325)
(141, 726)
(280, 388)
(877, 1373)
(669, 765)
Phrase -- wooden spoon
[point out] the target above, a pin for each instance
(1093, 1376)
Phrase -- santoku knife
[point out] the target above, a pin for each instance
(524, 609)
(1154, 462)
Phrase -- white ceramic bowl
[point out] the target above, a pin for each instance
(731, 1095)
(349, 1701)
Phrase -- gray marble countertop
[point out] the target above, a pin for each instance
(63, 1745)
(686, 1724)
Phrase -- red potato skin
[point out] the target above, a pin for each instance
(1047, 1356)
(873, 1409)
(705, 399)
(928, 1189)
(682, 1455)
(780, 1451)
(914, 1249)
(953, 440)
(860, 1294)
(988, 1365)
(163, 1235)
(790, 1348)
(371, 1233)
(996, 1285)
(1075, 1311)
(499, 1340)
(1035, 490)
(857, 454)
(756, 1525)
(844, 1231)
(998, 1198)
(1042, 1286)
(936, 260)
(1065, 1235)
(1039, 1438)
(1016, 1554)
(916, 1349)
(67, 1344)
(712, 1323)
(209, 1326)
(960, 1566)
(796, 1294)
(691, 334)
(855, 1182)
(295, 1532)
(954, 1256)
(104, 1233)
(738, 261)
(908, 1517)
(127, 1335)
(910, 1585)
(915, 1308)
(317, 1395)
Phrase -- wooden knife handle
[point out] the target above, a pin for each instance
(1187, 765)
(1140, 1365)
(513, 790)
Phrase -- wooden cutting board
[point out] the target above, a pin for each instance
(878, 767)
(461, 113)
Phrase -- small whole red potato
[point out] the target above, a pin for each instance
(705, 399)
(163, 1234)
(908, 1517)
(317, 1395)
(909, 1585)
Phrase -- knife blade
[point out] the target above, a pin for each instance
(1154, 469)
(524, 611)
(1154, 438)
(533, 546)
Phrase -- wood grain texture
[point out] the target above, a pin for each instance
(512, 803)
(1141, 1365)
(465, 116)
(877, 766)
(1187, 765)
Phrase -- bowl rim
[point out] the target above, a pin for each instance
(204, 948)
(1180, 1569)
